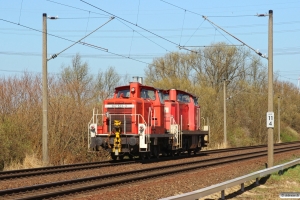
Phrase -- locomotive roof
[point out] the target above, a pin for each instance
(123, 86)
(181, 91)
(184, 92)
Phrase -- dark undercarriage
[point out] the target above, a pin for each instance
(158, 144)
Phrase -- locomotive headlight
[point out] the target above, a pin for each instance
(133, 90)
(107, 114)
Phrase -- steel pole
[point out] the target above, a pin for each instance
(225, 124)
(270, 89)
(279, 119)
(45, 93)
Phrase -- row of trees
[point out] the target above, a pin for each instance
(203, 72)
(75, 91)
(72, 95)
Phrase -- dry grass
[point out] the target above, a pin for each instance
(269, 188)
(216, 146)
(30, 161)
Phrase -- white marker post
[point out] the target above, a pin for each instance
(270, 119)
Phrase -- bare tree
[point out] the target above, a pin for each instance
(77, 80)
(106, 82)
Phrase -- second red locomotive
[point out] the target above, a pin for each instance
(144, 121)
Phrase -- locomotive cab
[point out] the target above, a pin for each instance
(138, 111)
(140, 120)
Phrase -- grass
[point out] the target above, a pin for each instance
(30, 161)
(271, 187)
(289, 135)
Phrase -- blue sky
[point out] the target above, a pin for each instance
(161, 27)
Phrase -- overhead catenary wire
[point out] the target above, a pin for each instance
(20, 11)
(137, 16)
(55, 55)
(75, 7)
(182, 27)
(214, 46)
(256, 51)
(143, 36)
(83, 43)
(194, 32)
(131, 43)
(87, 24)
(205, 17)
(136, 25)
(33, 29)
(208, 16)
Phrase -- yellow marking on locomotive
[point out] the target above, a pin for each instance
(117, 140)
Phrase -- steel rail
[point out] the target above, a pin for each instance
(84, 166)
(139, 175)
(59, 169)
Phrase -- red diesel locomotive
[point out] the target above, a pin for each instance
(144, 121)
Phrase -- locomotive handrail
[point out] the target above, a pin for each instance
(197, 194)
(92, 121)
(131, 115)
(147, 135)
(143, 120)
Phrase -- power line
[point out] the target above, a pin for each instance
(76, 8)
(256, 51)
(81, 17)
(20, 11)
(194, 32)
(144, 36)
(82, 43)
(137, 16)
(169, 29)
(135, 25)
(104, 56)
(70, 55)
(180, 8)
(55, 55)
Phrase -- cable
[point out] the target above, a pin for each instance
(75, 7)
(82, 43)
(131, 43)
(55, 55)
(234, 16)
(256, 51)
(182, 27)
(194, 32)
(143, 36)
(136, 25)
(69, 55)
(20, 11)
(87, 24)
(137, 17)
(180, 7)
(81, 17)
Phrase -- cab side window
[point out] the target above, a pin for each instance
(123, 93)
(148, 94)
(183, 98)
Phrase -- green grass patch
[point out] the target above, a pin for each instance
(289, 135)
(292, 173)
(288, 181)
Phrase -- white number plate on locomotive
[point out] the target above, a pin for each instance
(119, 106)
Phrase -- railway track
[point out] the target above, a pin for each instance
(59, 169)
(96, 165)
(79, 185)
